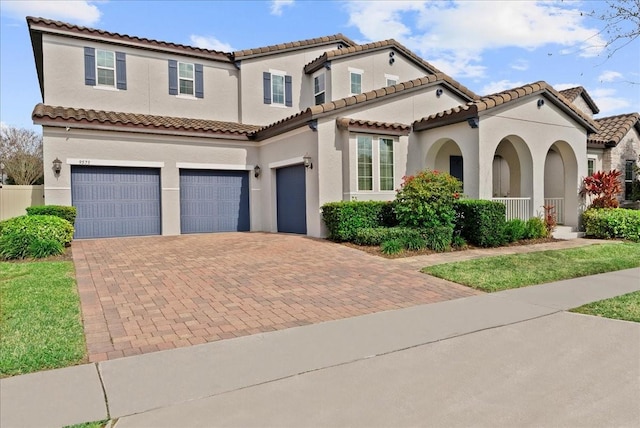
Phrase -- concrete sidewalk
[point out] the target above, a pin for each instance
(211, 384)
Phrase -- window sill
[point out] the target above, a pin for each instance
(106, 88)
(278, 105)
(187, 97)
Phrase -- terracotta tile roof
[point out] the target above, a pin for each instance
(317, 63)
(472, 109)
(613, 129)
(273, 49)
(310, 113)
(572, 93)
(78, 117)
(386, 127)
(41, 24)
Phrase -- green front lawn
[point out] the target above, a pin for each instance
(626, 307)
(519, 270)
(40, 321)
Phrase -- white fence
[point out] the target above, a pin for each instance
(516, 207)
(558, 203)
(15, 199)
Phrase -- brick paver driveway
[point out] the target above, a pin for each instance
(147, 294)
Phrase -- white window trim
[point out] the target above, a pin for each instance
(595, 162)
(283, 74)
(388, 77)
(375, 161)
(99, 85)
(324, 91)
(193, 80)
(356, 71)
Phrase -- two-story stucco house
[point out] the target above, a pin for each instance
(160, 138)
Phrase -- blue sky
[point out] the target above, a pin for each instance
(488, 46)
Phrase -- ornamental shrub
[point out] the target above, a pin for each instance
(28, 235)
(612, 223)
(65, 212)
(343, 219)
(392, 246)
(515, 230)
(377, 235)
(536, 229)
(481, 222)
(439, 238)
(425, 201)
(604, 188)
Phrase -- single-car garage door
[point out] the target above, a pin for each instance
(214, 201)
(291, 199)
(115, 201)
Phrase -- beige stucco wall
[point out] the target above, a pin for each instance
(292, 63)
(98, 148)
(375, 66)
(582, 105)
(147, 83)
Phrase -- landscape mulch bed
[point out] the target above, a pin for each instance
(375, 249)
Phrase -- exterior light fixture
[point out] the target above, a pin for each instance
(474, 122)
(57, 166)
(540, 102)
(306, 159)
(439, 92)
(256, 171)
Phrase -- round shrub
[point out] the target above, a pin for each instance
(536, 229)
(425, 200)
(66, 212)
(29, 235)
(515, 230)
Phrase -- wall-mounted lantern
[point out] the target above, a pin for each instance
(57, 166)
(256, 171)
(306, 159)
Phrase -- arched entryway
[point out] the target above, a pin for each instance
(561, 181)
(445, 155)
(512, 177)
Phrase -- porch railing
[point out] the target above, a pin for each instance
(559, 204)
(516, 207)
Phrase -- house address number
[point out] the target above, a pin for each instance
(84, 162)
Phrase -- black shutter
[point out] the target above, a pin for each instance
(173, 77)
(90, 66)
(288, 91)
(266, 83)
(199, 81)
(121, 70)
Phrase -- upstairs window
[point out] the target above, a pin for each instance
(277, 88)
(106, 69)
(356, 82)
(186, 79)
(318, 89)
(391, 79)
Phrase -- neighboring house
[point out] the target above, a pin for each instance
(160, 138)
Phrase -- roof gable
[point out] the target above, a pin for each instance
(292, 46)
(319, 62)
(573, 93)
(489, 102)
(613, 129)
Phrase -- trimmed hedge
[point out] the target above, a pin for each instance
(515, 230)
(344, 219)
(34, 236)
(481, 222)
(612, 223)
(536, 228)
(65, 212)
(377, 235)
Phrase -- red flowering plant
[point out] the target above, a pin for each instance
(603, 188)
(425, 200)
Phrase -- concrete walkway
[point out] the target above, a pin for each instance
(512, 358)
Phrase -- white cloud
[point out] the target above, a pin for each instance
(608, 102)
(278, 5)
(456, 33)
(563, 86)
(78, 12)
(520, 65)
(210, 42)
(499, 86)
(609, 76)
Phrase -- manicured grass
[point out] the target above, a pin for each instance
(40, 321)
(519, 270)
(626, 307)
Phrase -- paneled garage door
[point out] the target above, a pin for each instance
(291, 199)
(214, 201)
(116, 201)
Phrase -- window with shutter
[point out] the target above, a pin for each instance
(90, 66)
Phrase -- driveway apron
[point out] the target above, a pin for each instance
(147, 294)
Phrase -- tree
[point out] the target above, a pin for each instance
(21, 154)
(622, 23)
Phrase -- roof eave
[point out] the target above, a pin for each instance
(36, 44)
